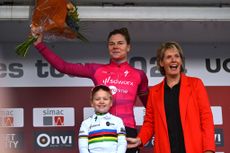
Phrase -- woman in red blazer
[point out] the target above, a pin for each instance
(178, 112)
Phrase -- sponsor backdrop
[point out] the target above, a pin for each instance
(42, 109)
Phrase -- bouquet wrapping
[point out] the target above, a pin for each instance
(56, 20)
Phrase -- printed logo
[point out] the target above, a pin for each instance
(11, 117)
(54, 139)
(113, 89)
(11, 141)
(59, 120)
(9, 121)
(126, 73)
(109, 80)
(53, 117)
(219, 137)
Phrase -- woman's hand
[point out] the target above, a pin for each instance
(133, 142)
(37, 32)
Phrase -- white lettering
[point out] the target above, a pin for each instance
(9, 141)
(12, 144)
(217, 137)
(115, 90)
(116, 81)
(44, 140)
(65, 139)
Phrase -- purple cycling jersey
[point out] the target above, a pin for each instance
(124, 81)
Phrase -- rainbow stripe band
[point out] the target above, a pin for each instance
(102, 139)
(103, 135)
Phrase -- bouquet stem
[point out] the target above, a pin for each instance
(22, 49)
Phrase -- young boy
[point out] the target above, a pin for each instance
(102, 132)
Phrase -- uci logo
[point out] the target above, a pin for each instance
(215, 66)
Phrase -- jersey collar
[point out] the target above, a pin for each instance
(118, 64)
(99, 116)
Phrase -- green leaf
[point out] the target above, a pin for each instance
(22, 49)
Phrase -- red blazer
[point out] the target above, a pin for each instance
(195, 113)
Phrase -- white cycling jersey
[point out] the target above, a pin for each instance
(102, 134)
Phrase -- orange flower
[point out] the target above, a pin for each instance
(56, 19)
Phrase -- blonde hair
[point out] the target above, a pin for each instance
(161, 53)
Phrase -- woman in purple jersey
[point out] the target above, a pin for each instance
(125, 81)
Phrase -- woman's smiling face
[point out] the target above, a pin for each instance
(172, 62)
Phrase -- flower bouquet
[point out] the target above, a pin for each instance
(55, 19)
